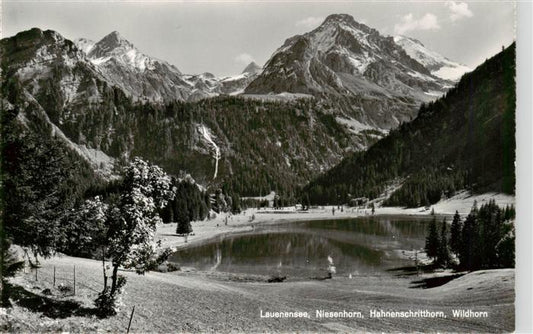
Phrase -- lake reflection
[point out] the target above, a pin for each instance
(366, 245)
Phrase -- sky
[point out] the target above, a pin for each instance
(222, 37)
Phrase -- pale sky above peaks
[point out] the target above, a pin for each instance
(222, 37)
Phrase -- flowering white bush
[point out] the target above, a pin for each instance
(132, 222)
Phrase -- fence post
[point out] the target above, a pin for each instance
(416, 261)
(131, 318)
(54, 276)
(74, 285)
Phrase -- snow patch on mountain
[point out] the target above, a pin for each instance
(84, 44)
(452, 73)
(361, 63)
(353, 125)
(438, 65)
(280, 97)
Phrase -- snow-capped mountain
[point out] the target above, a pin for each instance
(114, 47)
(437, 64)
(147, 78)
(366, 77)
(140, 76)
(58, 90)
(344, 57)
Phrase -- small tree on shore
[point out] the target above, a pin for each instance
(469, 242)
(487, 238)
(184, 224)
(432, 240)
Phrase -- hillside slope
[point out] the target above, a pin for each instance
(466, 139)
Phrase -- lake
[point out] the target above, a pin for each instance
(364, 245)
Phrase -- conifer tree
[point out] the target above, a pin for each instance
(184, 223)
(443, 257)
(35, 184)
(469, 241)
(455, 238)
(432, 240)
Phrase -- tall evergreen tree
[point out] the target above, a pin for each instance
(182, 217)
(455, 238)
(469, 242)
(432, 240)
(36, 190)
(443, 257)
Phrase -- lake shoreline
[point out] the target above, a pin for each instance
(387, 242)
(209, 230)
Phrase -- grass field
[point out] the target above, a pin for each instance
(217, 302)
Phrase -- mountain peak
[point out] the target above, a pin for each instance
(346, 19)
(114, 39)
(340, 18)
(344, 57)
(252, 68)
(112, 43)
(36, 35)
(115, 34)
